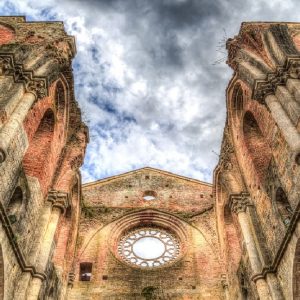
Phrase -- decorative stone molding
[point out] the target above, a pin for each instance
(71, 278)
(224, 281)
(239, 202)
(15, 246)
(59, 199)
(263, 88)
(226, 151)
(33, 84)
(147, 218)
(282, 248)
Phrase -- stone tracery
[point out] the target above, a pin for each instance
(165, 247)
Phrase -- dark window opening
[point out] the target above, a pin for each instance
(15, 205)
(244, 293)
(244, 289)
(149, 195)
(68, 213)
(283, 206)
(85, 271)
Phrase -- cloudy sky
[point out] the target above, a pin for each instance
(151, 75)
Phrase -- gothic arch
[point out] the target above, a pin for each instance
(60, 99)
(237, 103)
(37, 158)
(258, 149)
(61, 104)
(296, 273)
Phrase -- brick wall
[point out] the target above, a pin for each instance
(106, 203)
(6, 34)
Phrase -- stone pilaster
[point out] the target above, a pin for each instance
(59, 201)
(283, 121)
(238, 204)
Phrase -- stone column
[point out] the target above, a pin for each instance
(59, 202)
(288, 102)
(22, 284)
(238, 205)
(274, 286)
(285, 124)
(293, 86)
(8, 131)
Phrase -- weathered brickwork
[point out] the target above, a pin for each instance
(109, 202)
(262, 135)
(238, 238)
(41, 136)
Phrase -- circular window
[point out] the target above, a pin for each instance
(149, 247)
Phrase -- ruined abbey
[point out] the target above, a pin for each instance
(237, 238)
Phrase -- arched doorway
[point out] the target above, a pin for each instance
(296, 273)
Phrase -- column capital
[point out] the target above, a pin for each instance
(239, 202)
(267, 86)
(58, 199)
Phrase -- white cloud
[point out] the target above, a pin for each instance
(145, 77)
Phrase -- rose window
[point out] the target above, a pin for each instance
(149, 247)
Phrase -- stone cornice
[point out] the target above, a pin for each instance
(263, 88)
(58, 199)
(239, 202)
(33, 84)
(15, 246)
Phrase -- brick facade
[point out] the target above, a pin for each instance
(42, 146)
